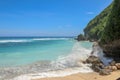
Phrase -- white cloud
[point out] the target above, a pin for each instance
(90, 13)
(64, 26)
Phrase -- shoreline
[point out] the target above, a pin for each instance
(85, 76)
(57, 73)
(61, 63)
(71, 73)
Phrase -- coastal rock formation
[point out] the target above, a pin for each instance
(112, 50)
(110, 40)
(98, 61)
(93, 59)
(105, 28)
(117, 65)
(113, 67)
(118, 79)
(80, 37)
(98, 66)
(104, 72)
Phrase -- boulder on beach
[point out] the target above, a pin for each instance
(104, 72)
(117, 65)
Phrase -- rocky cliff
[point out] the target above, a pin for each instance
(106, 28)
(110, 39)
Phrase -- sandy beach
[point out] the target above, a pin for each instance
(86, 76)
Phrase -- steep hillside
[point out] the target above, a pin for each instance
(106, 28)
(112, 28)
(110, 39)
(96, 26)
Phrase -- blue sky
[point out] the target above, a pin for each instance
(47, 17)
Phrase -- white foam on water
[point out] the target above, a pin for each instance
(98, 52)
(59, 73)
(70, 64)
(16, 41)
(30, 40)
(50, 39)
(77, 55)
(67, 65)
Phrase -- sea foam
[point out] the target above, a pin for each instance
(98, 52)
(71, 63)
(11, 41)
(30, 40)
(50, 38)
(59, 73)
(64, 65)
(78, 54)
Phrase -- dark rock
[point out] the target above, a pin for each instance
(80, 37)
(97, 65)
(112, 68)
(104, 72)
(112, 50)
(110, 39)
(112, 63)
(117, 65)
(96, 68)
(118, 79)
(93, 60)
(102, 66)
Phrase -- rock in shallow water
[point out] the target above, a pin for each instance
(97, 65)
(93, 59)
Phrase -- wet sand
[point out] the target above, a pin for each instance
(86, 76)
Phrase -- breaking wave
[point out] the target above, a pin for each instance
(13, 41)
(74, 59)
(64, 65)
(30, 40)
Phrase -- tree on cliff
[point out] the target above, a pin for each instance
(112, 28)
(80, 37)
(95, 27)
(110, 40)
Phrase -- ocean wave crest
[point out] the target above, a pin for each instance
(50, 38)
(74, 59)
(30, 40)
(11, 41)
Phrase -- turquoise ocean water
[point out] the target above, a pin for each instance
(16, 51)
(24, 55)
(24, 50)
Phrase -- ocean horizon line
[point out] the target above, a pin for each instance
(37, 36)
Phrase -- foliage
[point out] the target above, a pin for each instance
(96, 26)
(112, 29)
(80, 37)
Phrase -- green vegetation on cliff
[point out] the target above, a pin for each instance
(106, 28)
(112, 28)
(110, 40)
(80, 37)
(96, 26)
